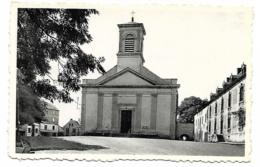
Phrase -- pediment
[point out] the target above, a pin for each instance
(127, 78)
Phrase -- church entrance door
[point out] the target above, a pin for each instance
(126, 121)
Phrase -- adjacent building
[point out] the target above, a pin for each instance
(223, 118)
(25, 130)
(48, 127)
(129, 98)
(71, 128)
(51, 113)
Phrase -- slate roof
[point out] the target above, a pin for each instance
(51, 106)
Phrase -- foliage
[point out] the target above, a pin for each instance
(189, 107)
(30, 107)
(46, 35)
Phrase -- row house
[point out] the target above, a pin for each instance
(223, 118)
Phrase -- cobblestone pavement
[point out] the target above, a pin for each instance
(124, 145)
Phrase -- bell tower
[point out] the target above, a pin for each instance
(130, 54)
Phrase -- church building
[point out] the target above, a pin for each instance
(130, 99)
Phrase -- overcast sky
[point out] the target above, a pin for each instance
(200, 46)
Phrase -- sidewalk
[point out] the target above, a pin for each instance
(232, 143)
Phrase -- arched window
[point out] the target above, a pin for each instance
(129, 43)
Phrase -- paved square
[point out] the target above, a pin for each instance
(124, 145)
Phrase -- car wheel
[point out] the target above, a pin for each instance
(184, 137)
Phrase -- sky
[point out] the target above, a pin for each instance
(200, 46)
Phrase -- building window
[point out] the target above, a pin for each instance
(229, 100)
(209, 112)
(241, 93)
(222, 105)
(129, 43)
(221, 124)
(53, 127)
(45, 127)
(215, 125)
(209, 126)
(216, 109)
(29, 130)
(221, 116)
(229, 120)
(36, 130)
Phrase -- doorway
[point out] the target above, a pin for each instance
(126, 121)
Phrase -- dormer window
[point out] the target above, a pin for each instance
(129, 43)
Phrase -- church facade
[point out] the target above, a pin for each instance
(129, 98)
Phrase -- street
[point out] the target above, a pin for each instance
(124, 145)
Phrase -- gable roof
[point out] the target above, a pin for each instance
(120, 73)
(71, 121)
(144, 73)
(159, 81)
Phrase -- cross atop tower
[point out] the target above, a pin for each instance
(132, 15)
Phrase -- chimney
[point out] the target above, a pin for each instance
(239, 70)
(218, 90)
(212, 96)
(243, 68)
(224, 84)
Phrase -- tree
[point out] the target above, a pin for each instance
(46, 35)
(189, 107)
(31, 108)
